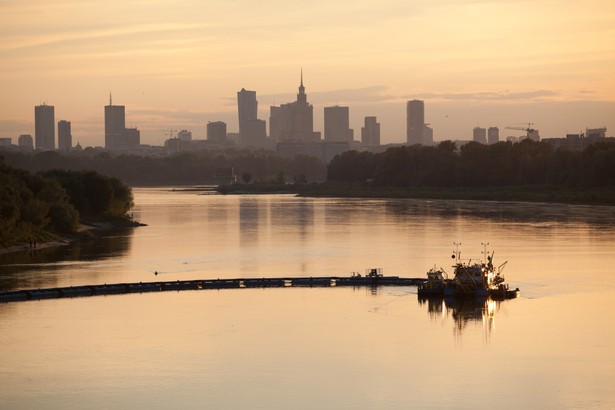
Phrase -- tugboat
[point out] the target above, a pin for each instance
(470, 279)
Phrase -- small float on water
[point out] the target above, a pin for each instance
(469, 279)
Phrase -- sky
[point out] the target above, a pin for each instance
(179, 64)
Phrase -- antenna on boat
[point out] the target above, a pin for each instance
(485, 255)
(457, 254)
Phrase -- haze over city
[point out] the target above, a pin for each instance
(179, 65)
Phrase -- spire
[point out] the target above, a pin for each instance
(110, 99)
(301, 96)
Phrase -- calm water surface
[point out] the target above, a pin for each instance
(317, 348)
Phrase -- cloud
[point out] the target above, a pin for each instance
(489, 96)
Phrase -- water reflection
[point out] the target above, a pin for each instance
(463, 310)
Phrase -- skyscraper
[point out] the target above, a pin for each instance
(479, 135)
(427, 135)
(216, 131)
(44, 127)
(65, 139)
(493, 135)
(294, 121)
(115, 124)
(370, 132)
(247, 108)
(415, 117)
(337, 121)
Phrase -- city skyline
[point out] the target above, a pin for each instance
(179, 66)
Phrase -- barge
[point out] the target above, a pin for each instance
(469, 279)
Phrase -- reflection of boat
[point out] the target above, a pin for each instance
(463, 309)
(478, 279)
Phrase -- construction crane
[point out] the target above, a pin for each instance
(529, 130)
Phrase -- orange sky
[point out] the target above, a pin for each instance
(179, 64)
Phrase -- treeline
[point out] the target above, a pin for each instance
(477, 165)
(37, 207)
(198, 167)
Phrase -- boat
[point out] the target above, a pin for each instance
(469, 279)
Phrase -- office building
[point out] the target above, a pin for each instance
(479, 135)
(493, 135)
(427, 135)
(216, 131)
(370, 132)
(115, 124)
(44, 127)
(254, 133)
(415, 119)
(131, 138)
(25, 142)
(65, 139)
(247, 108)
(337, 124)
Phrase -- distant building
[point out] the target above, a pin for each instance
(427, 135)
(370, 132)
(247, 108)
(44, 127)
(293, 121)
(115, 124)
(25, 142)
(415, 119)
(254, 133)
(184, 135)
(65, 139)
(337, 124)
(132, 138)
(493, 135)
(5, 142)
(216, 131)
(595, 134)
(479, 135)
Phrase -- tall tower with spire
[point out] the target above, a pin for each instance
(301, 97)
(294, 121)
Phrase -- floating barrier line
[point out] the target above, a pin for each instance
(144, 287)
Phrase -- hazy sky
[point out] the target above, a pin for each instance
(178, 64)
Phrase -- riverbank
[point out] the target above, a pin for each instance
(85, 231)
(532, 193)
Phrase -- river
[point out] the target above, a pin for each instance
(308, 348)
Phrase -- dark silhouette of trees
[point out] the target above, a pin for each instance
(477, 165)
(38, 206)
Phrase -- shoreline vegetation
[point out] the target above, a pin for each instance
(548, 194)
(527, 171)
(56, 207)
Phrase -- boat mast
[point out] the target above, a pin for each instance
(457, 254)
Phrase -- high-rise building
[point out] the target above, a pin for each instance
(216, 131)
(254, 133)
(337, 124)
(427, 135)
(25, 141)
(370, 132)
(131, 138)
(65, 139)
(115, 124)
(493, 135)
(415, 117)
(294, 121)
(247, 108)
(44, 127)
(479, 135)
